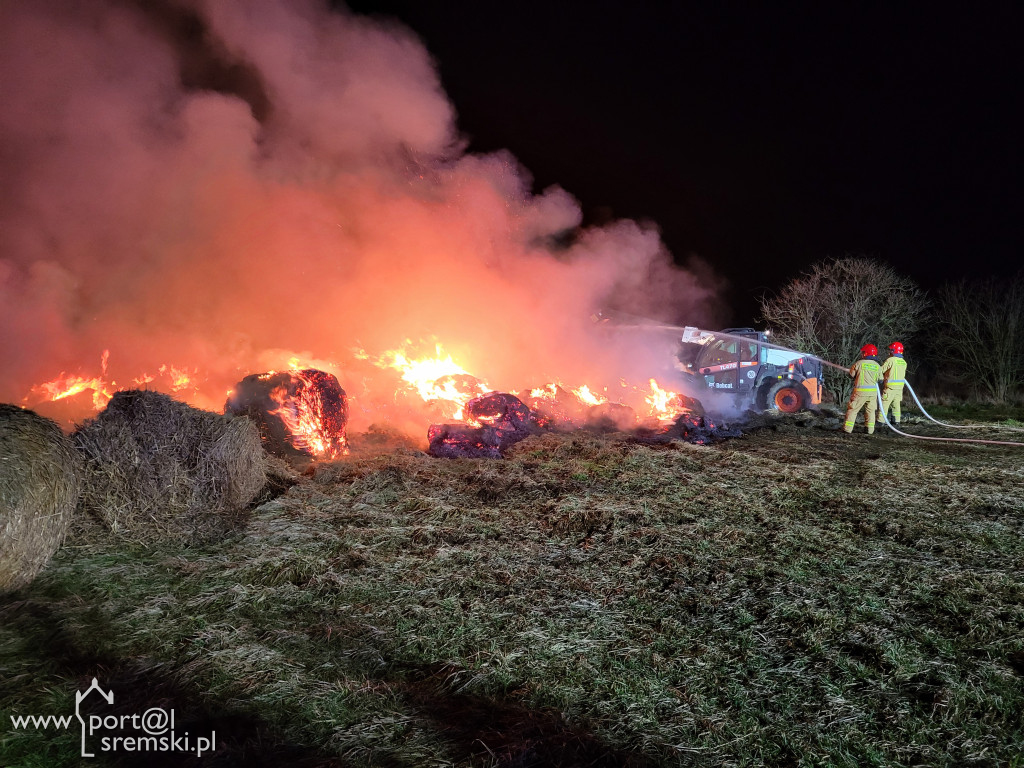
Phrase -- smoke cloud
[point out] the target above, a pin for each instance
(221, 184)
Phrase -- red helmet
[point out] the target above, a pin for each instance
(896, 348)
(869, 350)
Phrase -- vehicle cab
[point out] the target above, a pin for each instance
(743, 362)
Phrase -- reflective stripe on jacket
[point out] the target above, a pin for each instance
(894, 371)
(866, 373)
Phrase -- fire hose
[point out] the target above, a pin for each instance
(955, 426)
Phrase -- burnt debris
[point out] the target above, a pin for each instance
(300, 414)
(689, 428)
(496, 421)
(503, 420)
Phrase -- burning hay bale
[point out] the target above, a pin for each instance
(496, 421)
(39, 487)
(554, 407)
(505, 413)
(298, 413)
(158, 468)
(440, 395)
(688, 405)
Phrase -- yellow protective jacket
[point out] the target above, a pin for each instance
(865, 373)
(894, 372)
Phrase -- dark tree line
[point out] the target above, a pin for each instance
(968, 336)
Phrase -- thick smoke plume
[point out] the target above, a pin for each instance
(219, 185)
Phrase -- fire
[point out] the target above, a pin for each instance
(66, 385)
(588, 397)
(664, 405)
(437, 379)
(431, 386)
(303, 417)
(550, 391)
(180, 377)
(657, 402)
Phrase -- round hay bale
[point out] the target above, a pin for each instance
(300, 414)
(39, 487)
(157, 468)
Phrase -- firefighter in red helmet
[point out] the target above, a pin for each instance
(865, 373)
(894, 373)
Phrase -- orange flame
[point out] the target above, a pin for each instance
(103, 388)
(433, 378)
(180, 378)
(69, 385)
(663, 405)
(302, 414)
(547, 392)
(436, 379)
(588, 397)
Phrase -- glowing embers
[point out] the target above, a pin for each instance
(495, 421)
(299, 413)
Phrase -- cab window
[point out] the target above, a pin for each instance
(719, 352)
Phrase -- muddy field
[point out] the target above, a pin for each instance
(794, 596)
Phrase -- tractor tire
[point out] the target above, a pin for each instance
(788, 396)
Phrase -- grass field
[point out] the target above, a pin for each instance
(793, 597)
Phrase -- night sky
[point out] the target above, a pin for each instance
(759, 137)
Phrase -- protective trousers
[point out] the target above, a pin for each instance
(894, 373)
(892, 397)
(866, 399)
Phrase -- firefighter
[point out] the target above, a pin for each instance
(865, 377)
(894, 372)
